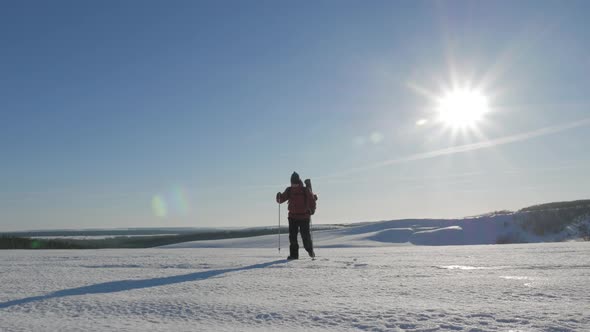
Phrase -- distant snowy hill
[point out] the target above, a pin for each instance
(554, 222)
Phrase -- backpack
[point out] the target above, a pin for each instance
(301, 201)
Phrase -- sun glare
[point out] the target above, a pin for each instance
(462, 108)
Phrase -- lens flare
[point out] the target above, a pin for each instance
(179, 201)
(421, 122)
(159, 206)
(376, 137)
(174, 202)
(35, 244)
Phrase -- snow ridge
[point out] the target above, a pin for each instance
(488, 229)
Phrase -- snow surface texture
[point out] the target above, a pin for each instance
(477, 230)
(523, 287)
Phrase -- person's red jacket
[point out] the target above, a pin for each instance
(301, 201)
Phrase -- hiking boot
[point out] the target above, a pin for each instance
(292, 257)
(311, 254)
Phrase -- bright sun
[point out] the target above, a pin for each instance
(462, 108)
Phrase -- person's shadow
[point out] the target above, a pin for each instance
(125, 285)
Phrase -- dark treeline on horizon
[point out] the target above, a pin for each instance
(108, 232)
(123, 242)
(12, 242)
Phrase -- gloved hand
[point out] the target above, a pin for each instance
(278, 197)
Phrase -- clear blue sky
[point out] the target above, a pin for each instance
(195, 113)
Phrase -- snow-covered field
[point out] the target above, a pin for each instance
(526, 287)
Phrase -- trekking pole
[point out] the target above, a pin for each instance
(279, 228)
(311, 235)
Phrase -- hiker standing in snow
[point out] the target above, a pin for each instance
(301, 206)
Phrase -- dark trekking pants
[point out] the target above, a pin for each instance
(294, 226)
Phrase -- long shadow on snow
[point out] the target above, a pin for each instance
(125, 285)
